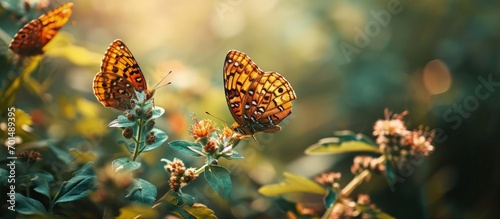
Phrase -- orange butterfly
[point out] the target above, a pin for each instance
(258, 100)
(119, 78)
(31, 39)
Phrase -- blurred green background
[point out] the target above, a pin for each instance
(347, 60)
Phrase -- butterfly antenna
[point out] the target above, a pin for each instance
(254, 138)
(216, 117)
(157, 85)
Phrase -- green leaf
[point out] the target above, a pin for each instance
(86, 171)
(134, 210)
(212, 160)
(235, 155)
(140, 96)
(199, 211)
(125, 164)
(121, 122)
(130, 146)
(291, 184)
(330, 198)
(183, 210)
(161, 137)
(178, 211)
(188, 199)
(204, 140)
(29, 206)
(175, 198)
(14, 6)
(63, 155)
(343, 142)
(46, 175)
(142, 191)
(186, 147)
(218, 177)
(78, 186)
(157, 112)
(390, 174)
(148, 104)
(346, 135)
(41, 186)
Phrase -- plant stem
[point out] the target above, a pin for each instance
(160, 200)
(355, 182)
(55, 197)
(137, 141)
(200, 170)
(346, 191)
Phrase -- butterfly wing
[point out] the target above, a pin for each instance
(239, 73)
(258, 101)
(270, 102)
(113, 90)
(119, 78)
(31, 39)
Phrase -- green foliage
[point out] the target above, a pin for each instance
(390, 173)
(184, 210)
(63, 155)
(29, 206)
(292, 184)
(161, 137)
(86, 146)
(343, 142)
(186, 147)
(157, 112)
(133, 210)
(186, 198)
(76, 188)
(142, 192)
(330, 198)
(235, 155)
(219, 179)
(125, 164)
(41, 186)
(183, 198)
(13, 5)
(121, 122)
(130, 146)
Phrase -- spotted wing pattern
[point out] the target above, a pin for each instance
(31, 39)
(258, 100)
(119, 78)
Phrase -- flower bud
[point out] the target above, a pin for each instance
(150, 138)
(127, 132)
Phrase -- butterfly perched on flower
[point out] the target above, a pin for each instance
(258, 100)
(31, 39)
(120, 77)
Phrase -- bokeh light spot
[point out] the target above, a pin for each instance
(436, 77)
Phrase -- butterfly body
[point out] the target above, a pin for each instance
(258, 100)
(31, 39)
(120, 77)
